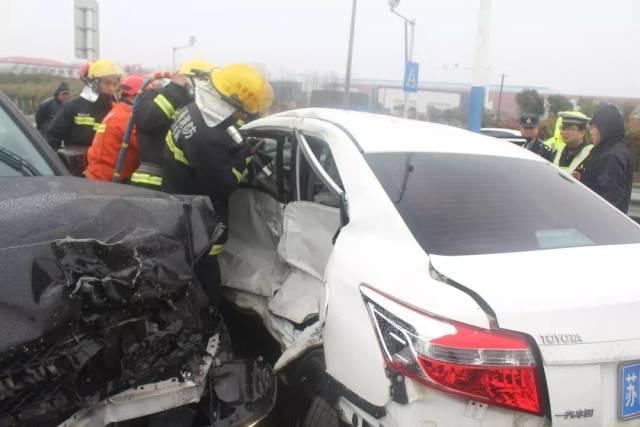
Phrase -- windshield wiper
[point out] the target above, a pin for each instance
(16, 162)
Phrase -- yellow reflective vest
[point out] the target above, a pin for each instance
(577, 160)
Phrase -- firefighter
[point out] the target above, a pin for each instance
(103, 153)
(153, 117)
(572, 155)
(530, 130)
(205, 153)
(73, 126)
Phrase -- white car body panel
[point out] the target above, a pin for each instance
(575, 293)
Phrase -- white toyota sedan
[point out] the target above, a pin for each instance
(440, 278)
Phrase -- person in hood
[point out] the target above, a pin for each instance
(73, 124)
(49, 107)
(205, 153)
(609, 169)
(105, 149)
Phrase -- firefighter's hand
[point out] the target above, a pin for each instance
(577, 175)
(179, 79)
(255, 146)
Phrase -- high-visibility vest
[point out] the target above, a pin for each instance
(577, 160)
(556, 142)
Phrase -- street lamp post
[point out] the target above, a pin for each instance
(408, 44)
(500, 97)
(192, 41)
(347, 79)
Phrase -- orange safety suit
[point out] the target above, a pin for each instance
(105, 148)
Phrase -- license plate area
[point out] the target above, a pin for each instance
(629, 390)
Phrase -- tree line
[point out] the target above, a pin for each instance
(29, 90)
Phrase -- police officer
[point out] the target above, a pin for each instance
(556, 142)
(572, 155)
(205, 153)
(530, 130)
(154, 116)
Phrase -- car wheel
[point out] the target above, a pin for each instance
(307, 401)
(321, 414)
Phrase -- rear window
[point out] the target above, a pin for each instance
(462, 204)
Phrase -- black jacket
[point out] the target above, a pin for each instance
(45, 114)
(153, 118)
(609, 169)
(75, 120)
(203, 160)
(541, 149)
(48, 109)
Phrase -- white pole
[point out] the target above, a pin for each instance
(480, 66)
(347, 79)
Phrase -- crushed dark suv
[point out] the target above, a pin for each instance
(102, 318)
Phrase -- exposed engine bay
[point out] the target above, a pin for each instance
(100, 307)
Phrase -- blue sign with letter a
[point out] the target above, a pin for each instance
(411, 72)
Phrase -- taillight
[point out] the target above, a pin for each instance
(491, 366)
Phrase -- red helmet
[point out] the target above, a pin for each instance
(84, 70)
(131, 85)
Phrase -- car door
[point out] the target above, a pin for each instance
(282, 223)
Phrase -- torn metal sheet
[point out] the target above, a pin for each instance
(298, 298)
(250, 261)
(306, 241)
(274, 263)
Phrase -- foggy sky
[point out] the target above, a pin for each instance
(571, 46)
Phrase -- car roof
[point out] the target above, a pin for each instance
(513, 132)
(375, 133)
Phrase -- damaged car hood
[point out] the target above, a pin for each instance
(46, 229)
(98, 292)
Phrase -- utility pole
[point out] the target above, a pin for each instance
(500, 97)
(408, 45)
(480, 62)
(347, 80)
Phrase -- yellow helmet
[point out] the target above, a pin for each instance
(190, 67)
(243, 86)
(104, 68)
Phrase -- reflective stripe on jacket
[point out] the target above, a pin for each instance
(576, 162)
(103, 154)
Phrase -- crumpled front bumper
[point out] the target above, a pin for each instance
(245, 392)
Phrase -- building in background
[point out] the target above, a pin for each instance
(289, 94)
(25, 65)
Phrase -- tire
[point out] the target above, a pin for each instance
(308, 400)
(321, 414)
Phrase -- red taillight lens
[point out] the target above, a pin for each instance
(515, 388)
(494, 367)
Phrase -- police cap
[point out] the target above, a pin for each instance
(529, 121)
(574, 118)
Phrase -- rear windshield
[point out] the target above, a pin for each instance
(462, 204)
